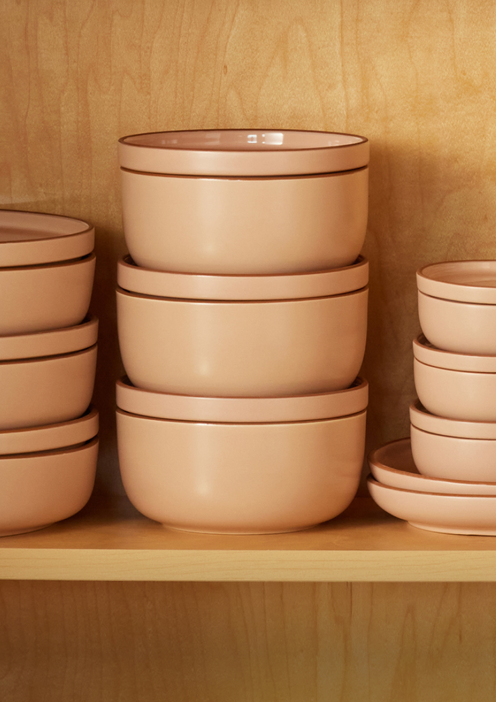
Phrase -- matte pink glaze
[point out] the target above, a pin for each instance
(50, 296)
(33, 238)
(50, 437)
(240, 478)
(242, 349)
(422, 419)
(462, 281)
(453, 457)
(38, 489)
(243, 152)
(242, 409)
(47, 390)
(246, 226)
(456, 394)
(50, 343)
(460, 327)
(448, 514)
(425, 352)
(394, 465)
(336, 281)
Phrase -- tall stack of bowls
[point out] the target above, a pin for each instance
(453, 422)
(48, 431)
(242, 317)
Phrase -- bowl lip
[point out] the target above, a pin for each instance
(241, 410)
(217, 288)
(50, 265)
(174, 160)
(54, 342)
(432, 281)
(423, 420)
(426, 495)
(430, 355)
(51, 436)
(436, 483)
(54, 247)
(61, 450)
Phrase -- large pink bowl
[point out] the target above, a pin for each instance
(306, 335)
(244, 202)
(282, 464)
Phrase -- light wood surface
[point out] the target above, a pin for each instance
(111, 541)
(149, 642)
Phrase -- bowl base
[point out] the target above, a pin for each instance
(452, 530)
(15, 532)
(238, 532)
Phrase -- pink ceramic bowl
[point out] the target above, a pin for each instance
(40, 487)
(453, 450)
(457, 305)
(455, 385)
(47, 377)
(237, 465)
(255, 336)
(46, 296)
(244, 202)
(393, 465)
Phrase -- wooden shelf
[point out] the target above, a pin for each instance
(113, 542)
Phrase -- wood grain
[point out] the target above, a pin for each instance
(144, 642)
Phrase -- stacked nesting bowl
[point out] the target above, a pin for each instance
(242, 319)
(453, 422)
(48, 444)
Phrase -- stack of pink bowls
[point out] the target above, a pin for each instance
(48, 444)
(446, 477)
(242, 317)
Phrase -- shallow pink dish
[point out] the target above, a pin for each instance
(455, 385)
(243, 152)
(449, 514)
(300, 340)
(393, 465)
(237, 465)
(47, 377)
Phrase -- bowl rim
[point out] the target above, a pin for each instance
(195, 160)
(51, 436)
(430, 355)
(423, 420)
(439, 280)
(60, 245)
(134, 279)
(53, 342)
(252, 410)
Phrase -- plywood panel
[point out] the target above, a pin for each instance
(418, 78)
(185, 642)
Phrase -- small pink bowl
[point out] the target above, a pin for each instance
(46, 473)
(455, 385)
(452, 449)
(457, 305)
(241, 465)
